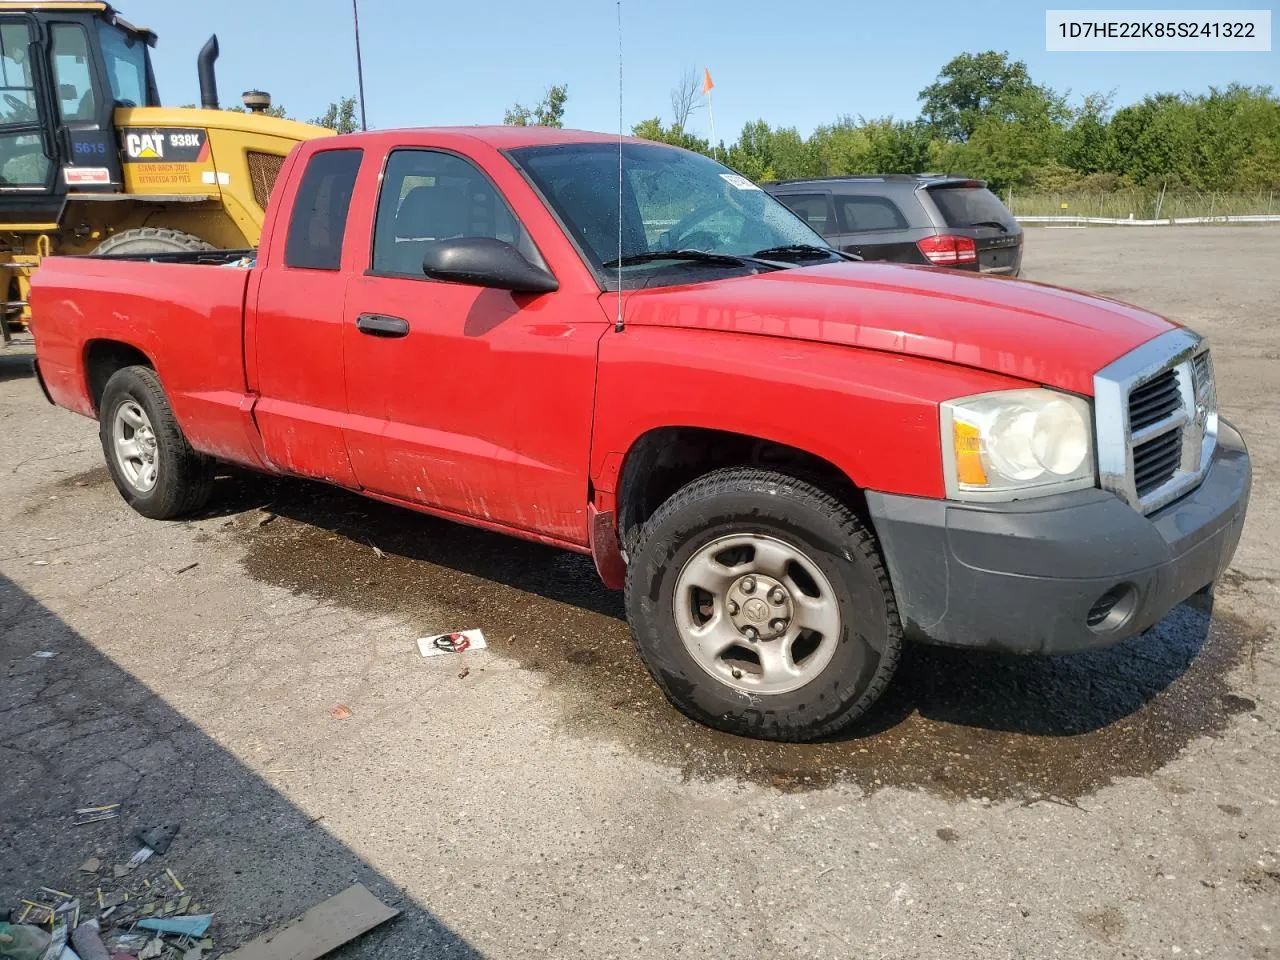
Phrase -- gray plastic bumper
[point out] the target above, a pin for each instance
(1028, 576)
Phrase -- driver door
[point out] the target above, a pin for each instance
(28, 168)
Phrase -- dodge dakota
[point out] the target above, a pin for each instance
(792, 462)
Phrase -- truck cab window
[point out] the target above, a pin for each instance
(428, 195)
(73, 74)
(319, 218)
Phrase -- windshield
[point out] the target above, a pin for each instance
(126, 59)
(671, 200)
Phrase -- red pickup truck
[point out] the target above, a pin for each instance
(792, 462)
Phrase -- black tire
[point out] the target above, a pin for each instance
(760, 502)
(145, 240)
(184, 478)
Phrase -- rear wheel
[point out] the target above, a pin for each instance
(145, 240)
(154, 468)
(761, 606)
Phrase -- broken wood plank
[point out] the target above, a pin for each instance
(324, 927)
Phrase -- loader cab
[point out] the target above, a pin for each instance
(64, 68)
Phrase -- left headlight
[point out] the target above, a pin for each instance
(1016, 443)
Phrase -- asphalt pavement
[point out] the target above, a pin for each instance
(540, 798)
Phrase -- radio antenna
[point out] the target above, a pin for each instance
(618, 323)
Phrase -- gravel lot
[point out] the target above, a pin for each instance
(547, 802)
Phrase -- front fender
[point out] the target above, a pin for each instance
(872, 414)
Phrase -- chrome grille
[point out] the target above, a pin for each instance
(1156, 461)
(1157, 421)
(1154, 400)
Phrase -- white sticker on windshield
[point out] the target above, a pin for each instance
(740, 182)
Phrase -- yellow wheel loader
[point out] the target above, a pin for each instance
(90, 161)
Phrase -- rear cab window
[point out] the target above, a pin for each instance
(964, 205)
(319, 218)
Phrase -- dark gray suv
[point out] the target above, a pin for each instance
(910, 218)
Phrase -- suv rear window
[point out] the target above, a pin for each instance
(967, 206)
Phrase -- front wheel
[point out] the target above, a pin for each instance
(760, 605)
(153, 466)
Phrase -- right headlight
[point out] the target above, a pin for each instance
(1016, 443)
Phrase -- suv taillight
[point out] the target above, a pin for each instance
(947, 251)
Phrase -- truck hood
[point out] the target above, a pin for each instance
(1042, 334)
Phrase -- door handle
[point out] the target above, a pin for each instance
(380, 325)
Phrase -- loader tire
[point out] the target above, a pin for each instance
(148, 240)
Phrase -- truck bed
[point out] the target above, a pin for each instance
(182, 313)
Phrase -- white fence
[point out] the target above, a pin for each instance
(1164, 222)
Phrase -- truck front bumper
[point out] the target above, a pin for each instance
(1061, 573)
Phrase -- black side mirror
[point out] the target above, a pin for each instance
(485, 262)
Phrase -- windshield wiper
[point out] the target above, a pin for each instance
(805, 250)
(990, 223)
(692, 256)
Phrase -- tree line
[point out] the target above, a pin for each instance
(985, 117)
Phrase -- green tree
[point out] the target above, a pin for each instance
(976, 86)
(340, 116)
(763, 153)
(652, 129)
(548, 112)
(1084, 143)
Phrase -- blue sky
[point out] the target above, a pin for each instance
(433, 62)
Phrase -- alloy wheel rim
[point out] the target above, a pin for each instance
(757, 614)
(136, 447)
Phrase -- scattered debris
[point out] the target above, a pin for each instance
(187, 568)
(340, 712)
(39, 563)
(142, 856)
(128, 943)
(158, 838)
(266, 518)
(376, 550)
(113, 899)
(45, 654)
(444, 643)
(121, 870)
(152, 950)
(88, 943)
(324, 927)
(91, 865)
(196, 926)
(462, 674)
(94, 814)
(22, 941)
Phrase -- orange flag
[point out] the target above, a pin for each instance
(706, 81)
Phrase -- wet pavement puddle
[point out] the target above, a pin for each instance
(956, 723)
